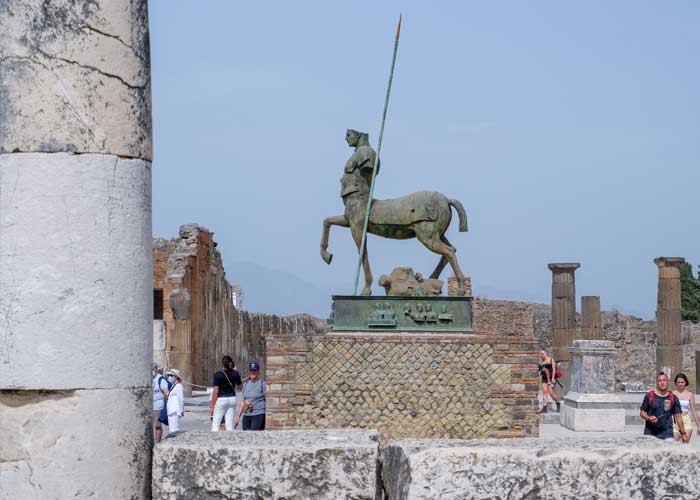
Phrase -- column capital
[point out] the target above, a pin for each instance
(669, 261)
(563, 267)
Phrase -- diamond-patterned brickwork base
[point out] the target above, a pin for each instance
(404, 385)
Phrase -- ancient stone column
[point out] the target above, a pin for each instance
(591, 405)
(179, 343)
(180, 351)
(563, 308)
(590, 311)
(668, 316)
(76, 302)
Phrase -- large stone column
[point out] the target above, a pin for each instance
(563, 308)
(668, 316)
(75, 249)
(179, 343)
(590, 312)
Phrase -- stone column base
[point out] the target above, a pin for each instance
(593, 413)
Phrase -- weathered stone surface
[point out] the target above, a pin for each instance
(313, 465)
(593, 412)
(75, 76)
(563, 309)
(159, 342)
(193, 261)
(593, 366)
(669, 355)
(425, 385)
(75, 444)
(75, 265)
(540, 469)
(590, 314)
(634, 338)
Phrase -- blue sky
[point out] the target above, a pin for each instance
(569, 132)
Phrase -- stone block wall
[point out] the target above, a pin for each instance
(634, 338)
(404, 385)
(244, 338)
(216, 327)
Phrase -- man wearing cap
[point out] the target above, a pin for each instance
(160, 392)
(252, 405)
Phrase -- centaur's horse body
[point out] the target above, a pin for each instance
(425, 215)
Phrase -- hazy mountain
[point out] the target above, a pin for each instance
(278, 292)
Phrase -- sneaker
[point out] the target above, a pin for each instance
(543, 410)
(558, 407)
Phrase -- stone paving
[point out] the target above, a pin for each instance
(197, 419)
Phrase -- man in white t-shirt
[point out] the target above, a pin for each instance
(160, 392)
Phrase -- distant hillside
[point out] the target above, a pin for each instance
(278, 292)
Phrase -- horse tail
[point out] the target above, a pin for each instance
(462, 214)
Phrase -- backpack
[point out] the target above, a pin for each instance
(653, 393)
(163, 417)
(557, 373)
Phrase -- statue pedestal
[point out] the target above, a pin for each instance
(403, 314)
(590, 405)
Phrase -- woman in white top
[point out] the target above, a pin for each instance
(687, 400)
(176, 401)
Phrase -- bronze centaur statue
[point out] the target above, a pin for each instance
(425, 215)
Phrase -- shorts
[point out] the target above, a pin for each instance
(686, 423)
(254, 422)
(154, 415)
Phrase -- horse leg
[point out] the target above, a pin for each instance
(336, 220)
(443, 262)
(437, 245)
(357, 236)
(438, 269)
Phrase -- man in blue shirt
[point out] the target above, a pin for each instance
(659, 408)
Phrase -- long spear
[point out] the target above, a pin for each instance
(376, 158)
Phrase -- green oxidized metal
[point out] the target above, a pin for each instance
(394, 313)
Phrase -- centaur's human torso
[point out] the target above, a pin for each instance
(385, 219)
(357, 174)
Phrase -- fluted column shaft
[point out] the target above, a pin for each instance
(668, 316)
(563, 308)
(591, 324)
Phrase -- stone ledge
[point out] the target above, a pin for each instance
(594, 469)
(313, 464)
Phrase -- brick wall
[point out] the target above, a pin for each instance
(634, 338)
(216, 327)
(404, 385)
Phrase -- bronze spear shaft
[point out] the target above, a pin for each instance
(376, 158)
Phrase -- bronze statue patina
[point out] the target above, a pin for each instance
(425, 215)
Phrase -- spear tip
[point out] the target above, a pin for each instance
(398, 27)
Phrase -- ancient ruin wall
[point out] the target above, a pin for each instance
(216, 327)
(404, 385)
(634, 337)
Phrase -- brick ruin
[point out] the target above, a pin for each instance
(405, 385)
(634, 338)
(211, 323)
(383, 381)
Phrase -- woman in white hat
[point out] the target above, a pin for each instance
(176, 401)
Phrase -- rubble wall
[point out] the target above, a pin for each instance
(404, 384)
(217, 327)
(634, 337)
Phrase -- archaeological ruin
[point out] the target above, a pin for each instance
(89, 299)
